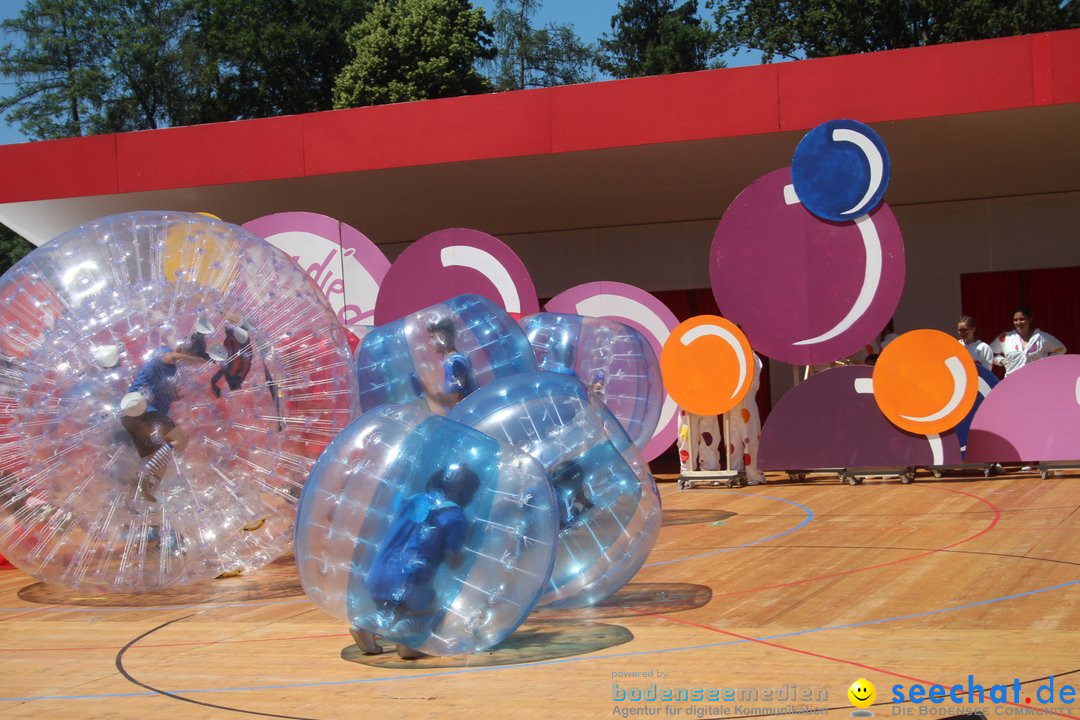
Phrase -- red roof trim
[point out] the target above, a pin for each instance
(988, 75)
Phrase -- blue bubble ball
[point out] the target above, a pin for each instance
(425, 532)
(614, 361)
(439, 355)
(607, 503)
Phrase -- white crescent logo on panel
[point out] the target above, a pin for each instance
(956, 369)
(873, 159)
(871, 275)
(485, 263)
(724, 334)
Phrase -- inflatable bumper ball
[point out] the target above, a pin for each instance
(607, 502)
(614, 361)
(427, 533)
(439, 355)
(168, 382)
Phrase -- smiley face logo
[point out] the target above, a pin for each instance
(861, 693)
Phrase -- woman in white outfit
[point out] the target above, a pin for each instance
(980, 351)
(1024, 344)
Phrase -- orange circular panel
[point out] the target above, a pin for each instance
(707, 365)
(925, 382)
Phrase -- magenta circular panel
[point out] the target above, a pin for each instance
(831, 420)
(805, 291)
(641, 311)
(342, 261)
(1031, 415)
(452, 262)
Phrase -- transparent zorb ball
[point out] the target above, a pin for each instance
(131, 459)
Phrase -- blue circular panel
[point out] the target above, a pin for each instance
(840, 170)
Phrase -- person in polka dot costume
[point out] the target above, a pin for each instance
(706, 429)
(744, 427)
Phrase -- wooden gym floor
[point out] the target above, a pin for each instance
(785, 593)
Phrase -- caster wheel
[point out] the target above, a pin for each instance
(852, 480)
(682, 484)
(1044, 473)
(907, 478)
(716, 483)
(937, 473)
(732, 482)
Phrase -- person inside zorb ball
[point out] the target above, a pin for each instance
(167, 382)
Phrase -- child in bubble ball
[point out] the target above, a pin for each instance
(146, 409)
(428, 530)
(457, 379)
(571, 493)
(238, 352)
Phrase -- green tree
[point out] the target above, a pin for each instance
(654, 37)
(260, 59)
(820, 28)
(59, 83)
(415, 49)
(13, 248)
(138, 43)
(90, 66)
(528, 57)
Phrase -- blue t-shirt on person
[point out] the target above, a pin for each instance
(425, 529)
(155, 375)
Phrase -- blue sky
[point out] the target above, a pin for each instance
(590, 18)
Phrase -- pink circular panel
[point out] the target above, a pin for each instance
(805, 291)
(1031, 415)
(448, 263)
(342, 261)
(641, 311)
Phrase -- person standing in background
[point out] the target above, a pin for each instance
(980, 351)
(1024, 344)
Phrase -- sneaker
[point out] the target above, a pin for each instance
(756, 481)
(143, 481)
(366, 641)
(255, 524)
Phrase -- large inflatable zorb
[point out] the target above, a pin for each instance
(439, 355)
(614, 361)
(424, 532)
(607, 503)
(168, 381)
